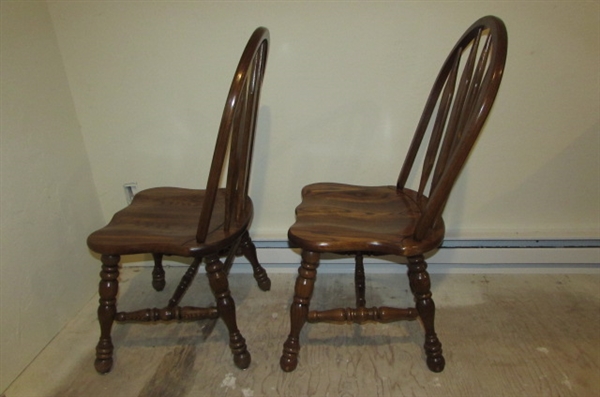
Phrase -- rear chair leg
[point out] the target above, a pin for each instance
(307, 273)
(249, 251)
(108, 288)
(420, 285)
(359, 281)
(185, 283)
(226, 307)
(158, 273)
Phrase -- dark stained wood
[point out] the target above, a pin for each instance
(303, 290)
(420, 285)
(199, 224)
(362, 315)
(158, 273)
(395, 220)
(248, 249)
(185, 283)
(359, 281)
(226, 308)
(108, 289)
(186, 313)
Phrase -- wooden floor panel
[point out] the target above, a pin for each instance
(502, 335)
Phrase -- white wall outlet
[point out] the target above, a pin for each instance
(130, 191)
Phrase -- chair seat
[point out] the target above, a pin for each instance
(165, 220)
(335, 217)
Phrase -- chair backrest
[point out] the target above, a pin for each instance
(454, 115)
(236, 136)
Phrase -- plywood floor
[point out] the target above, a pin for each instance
(503, 335)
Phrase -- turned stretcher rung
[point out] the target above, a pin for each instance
(362, 314)
(177, 313)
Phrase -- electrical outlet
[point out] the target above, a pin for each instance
(130, 191)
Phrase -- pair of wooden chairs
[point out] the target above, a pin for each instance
(210, 224)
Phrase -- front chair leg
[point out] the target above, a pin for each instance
(158, 273)
(260, 274)
(305, 282)
(226, 307)
(420, 285)
(108, 288)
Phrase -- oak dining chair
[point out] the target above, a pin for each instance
(204, 225)
(397, 220)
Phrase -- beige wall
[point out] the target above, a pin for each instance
(136, 89)
(48, 201)
(344, 89)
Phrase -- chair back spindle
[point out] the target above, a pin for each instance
(236, 137)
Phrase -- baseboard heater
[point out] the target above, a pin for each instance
(455, 256)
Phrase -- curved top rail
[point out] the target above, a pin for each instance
(236, 135)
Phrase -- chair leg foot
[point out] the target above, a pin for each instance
(103, 366)
(307, 274)
(433, 351)
(108, 288)
(420, 285)
(436, 364)
(242, 360)
(226, 307)
(289, 358)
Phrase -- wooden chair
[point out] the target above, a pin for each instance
(395, 220)
(200, 224)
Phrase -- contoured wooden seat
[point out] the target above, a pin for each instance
(200, 224)
(396, 220)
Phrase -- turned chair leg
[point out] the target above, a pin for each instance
(226, 307)
(359, 281)
(249, 251)
(185, 282)
(158, 273)
(307, 274)
(420, 285)
(108, 289)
